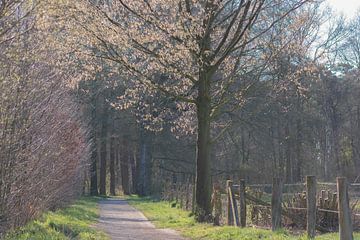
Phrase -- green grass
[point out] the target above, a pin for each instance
(73, 222)
(164, 216)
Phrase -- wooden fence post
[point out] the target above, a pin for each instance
(233, 216)
(276, 200)
(188, 195)
(229, 219)
(193, 203)
(182, 195)
(322, 199)
(176, 189)
(216, 204)
(345, 224)
(242, 203)
(311, 206)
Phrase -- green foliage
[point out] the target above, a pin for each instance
(163, 215)
(74, 222)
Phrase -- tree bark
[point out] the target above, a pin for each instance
(103, 152)
(133, 158)
(311, 206)
(276, 200)
(112, 167)
(288, 168)
(355, 134)
(93, 171)
(142, 166)
(203, 166)
(298, 149)
(124, 166)
(345, 221)
(144, 171)
(94, 156)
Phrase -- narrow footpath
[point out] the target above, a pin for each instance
(121, 221)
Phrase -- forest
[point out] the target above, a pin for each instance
(154, 97)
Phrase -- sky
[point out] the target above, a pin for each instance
(348, 7)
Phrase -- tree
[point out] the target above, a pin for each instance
(103, 145)
(201, 48)
(88, 94)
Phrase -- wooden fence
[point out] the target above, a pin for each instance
(334, 206)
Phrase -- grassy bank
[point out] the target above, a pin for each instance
(164, 216)
(73, 222)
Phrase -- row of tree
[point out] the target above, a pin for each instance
(44, 143)
(171, 92)
(242, 87)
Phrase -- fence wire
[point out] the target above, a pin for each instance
(294, 206)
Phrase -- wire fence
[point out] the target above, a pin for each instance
(294, 206)
(259, 201)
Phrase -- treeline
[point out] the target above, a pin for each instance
(278, 133)
(103, 97)
(44, 144)
(127, 157)
(222, 89)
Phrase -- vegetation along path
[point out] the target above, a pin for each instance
(122, 221)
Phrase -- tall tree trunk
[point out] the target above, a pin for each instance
(144, 171)
(94, 156)
(288, 168)
(203, 161)
(124, 166)
(140, 187)
(133, 162)
(323, 153)
(328, 160)
(118, 161)
(281, 138)
(298, 162)
(103, 152)
(355, 142)
(112, 167)
(93, 171)
(336, 145)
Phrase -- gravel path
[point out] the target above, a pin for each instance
(122, 221)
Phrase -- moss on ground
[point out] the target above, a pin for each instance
(73, 222)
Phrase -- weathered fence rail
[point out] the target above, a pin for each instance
(332, 208)
(310, 206)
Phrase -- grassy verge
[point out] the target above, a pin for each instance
(73, 222)
(164, 216)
